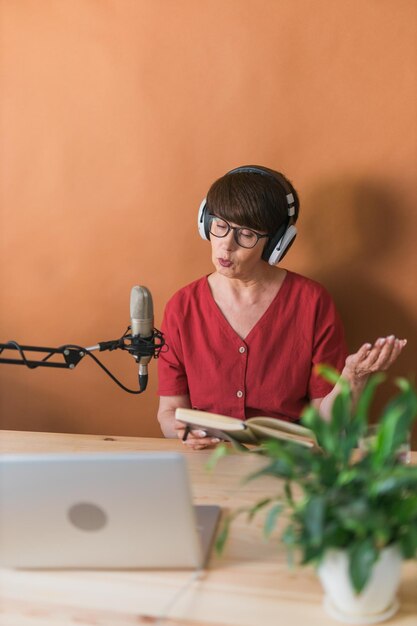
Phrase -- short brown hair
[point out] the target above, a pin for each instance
(256, 199)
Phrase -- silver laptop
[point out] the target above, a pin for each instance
(101, 510)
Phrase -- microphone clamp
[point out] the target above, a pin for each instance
(141, 346)
(136, 345)
(108, 345)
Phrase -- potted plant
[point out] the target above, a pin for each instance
(355, 513)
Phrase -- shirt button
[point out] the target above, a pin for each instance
(239, 394)
(242, 349)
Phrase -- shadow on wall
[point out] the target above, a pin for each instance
(354, 230)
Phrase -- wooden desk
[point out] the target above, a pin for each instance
(250, 585)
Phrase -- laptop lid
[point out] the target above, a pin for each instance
(100, 510)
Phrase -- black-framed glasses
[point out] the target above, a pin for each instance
(244, 237)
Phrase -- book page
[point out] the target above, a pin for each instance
(263, 432)
(277, 424)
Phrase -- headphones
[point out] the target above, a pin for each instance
(278, 243)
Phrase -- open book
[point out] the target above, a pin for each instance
(253, 430)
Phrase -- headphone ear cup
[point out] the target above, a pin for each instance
(276, 250)
(203, 221)
(273, 243)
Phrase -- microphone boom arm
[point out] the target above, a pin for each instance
(137, 346)
(72, 356)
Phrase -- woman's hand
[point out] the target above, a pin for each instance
(171, 427)
(372, 358)
(359, 366)
(196, 439)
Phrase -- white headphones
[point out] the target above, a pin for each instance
(280, 242)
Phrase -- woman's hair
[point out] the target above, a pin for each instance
(253, 199)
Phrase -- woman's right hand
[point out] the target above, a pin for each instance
(195, 439)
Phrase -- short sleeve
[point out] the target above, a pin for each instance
(329, 345)
(172, 378)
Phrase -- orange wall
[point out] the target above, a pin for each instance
(116, 117)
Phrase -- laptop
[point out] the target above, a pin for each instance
(101, 510)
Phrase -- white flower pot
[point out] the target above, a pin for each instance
(376, 602)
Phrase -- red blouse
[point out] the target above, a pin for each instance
(268, 373)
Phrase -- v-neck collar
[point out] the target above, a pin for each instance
(260, 321)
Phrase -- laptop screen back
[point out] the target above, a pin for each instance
(98, 510)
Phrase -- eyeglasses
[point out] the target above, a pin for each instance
(244, 237)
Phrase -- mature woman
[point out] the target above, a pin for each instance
(244, 340)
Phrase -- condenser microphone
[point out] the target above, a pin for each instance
(142, 319)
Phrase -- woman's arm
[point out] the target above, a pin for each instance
(359, 366)
(166, 413)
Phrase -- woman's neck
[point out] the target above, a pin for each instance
(248, 289)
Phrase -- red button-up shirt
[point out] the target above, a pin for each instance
(270, 372)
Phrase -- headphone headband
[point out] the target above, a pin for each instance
(254, 169)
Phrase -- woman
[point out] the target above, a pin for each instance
(244, 340)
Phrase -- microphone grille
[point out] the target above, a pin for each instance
(141, 305)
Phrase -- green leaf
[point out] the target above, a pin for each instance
(365, 399)
(220, 451)
(271, 518)
(257, 507)
(288, 493)
(288, 461)
(390, 434)
(311, 418)
(313, 515)
(395, 424)
(310, 554)
(341, 444)
(225, 528)
(393, 480)
(405, 385)
(382, 536)
(406, 510)
(348, 476)
(324, 472)
(289, 539)
(330, 374)
(334, 536)
(363, 555)
(408, 542)
(271, 448)
(223, 535)
(236, 445)
(355, 516)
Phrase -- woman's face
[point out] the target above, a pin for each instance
(232, 260)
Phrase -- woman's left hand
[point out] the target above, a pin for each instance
(359, 366)
(373, 358)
